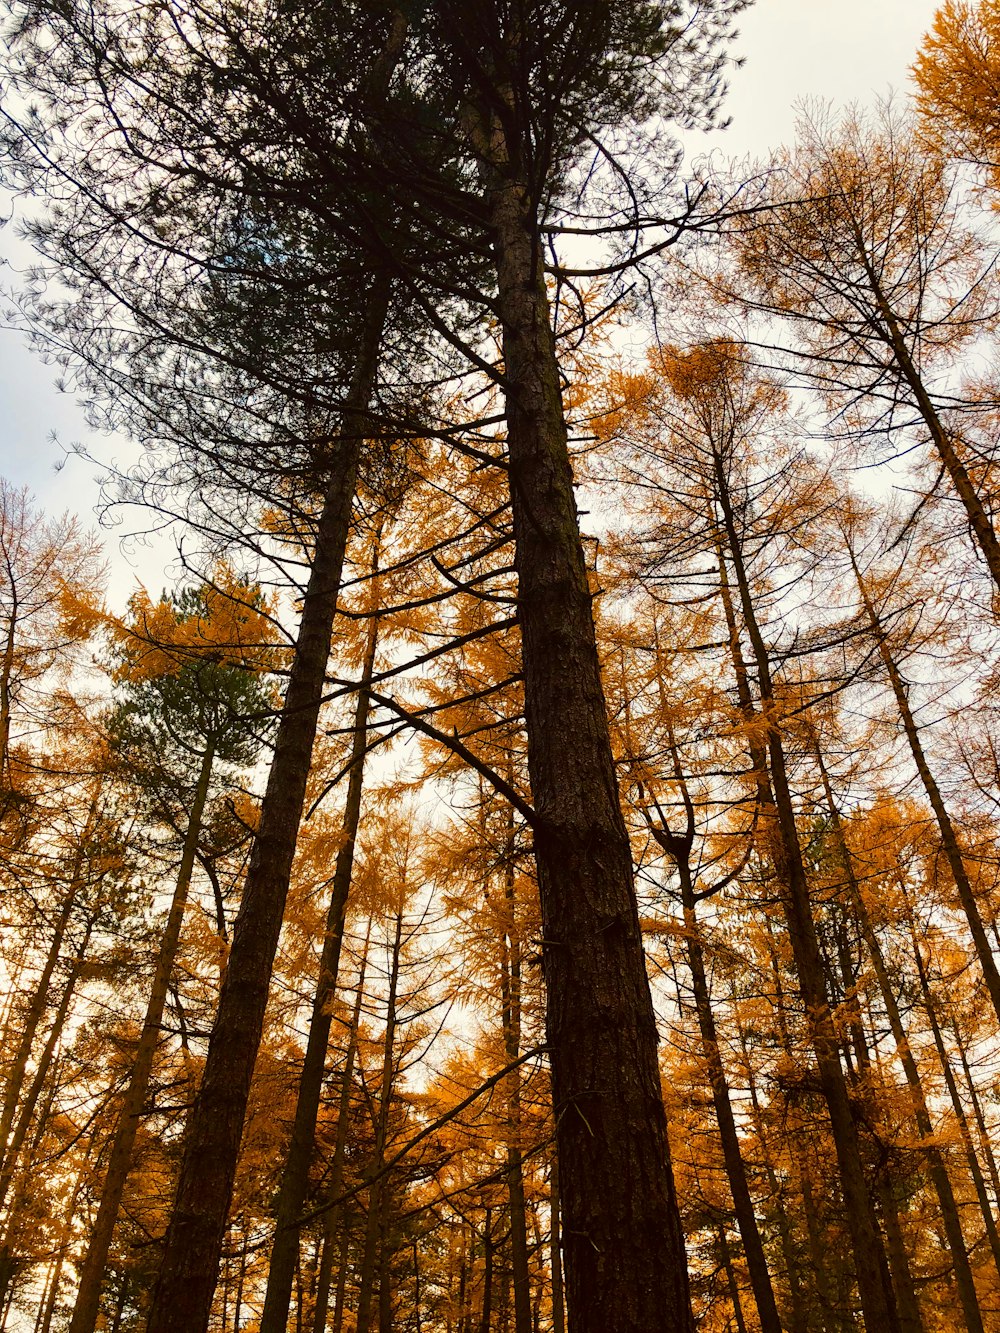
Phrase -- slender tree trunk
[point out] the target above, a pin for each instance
(977, 1111)
(6, 680)
(975, 1170)
(510, 997)
(334, 1216)
(979, 521)
(734, 1289)
(797, 1320)
(939, 1175)
(678, 847)
(377, 1194)
(417, 1297)
(385, 1256)
(340, 1298)
(624, 1246)
(753, 1248)
(39, 1001)
(241, 1277)
(910, 1318)
(899, 1275)
(34, 1090)
(182, 1296)
(555, 1251)
(96, 1257)
(946, 829)
(820, 1259)
(295, 1179)
(487, 1310)
(869, 1255)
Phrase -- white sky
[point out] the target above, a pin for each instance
(848, 51)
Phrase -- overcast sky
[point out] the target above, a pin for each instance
(850, 51)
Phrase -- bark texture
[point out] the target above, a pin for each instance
(623, 1244)
(182, 1296)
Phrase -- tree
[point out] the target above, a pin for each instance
(865, 255)
(957, 73)
(191, 697)
(51, 580)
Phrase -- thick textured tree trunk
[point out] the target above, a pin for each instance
(295, 1180)
(624, 1246)
(95, 1260)
(182, 1296)
(938, 1172)
(869, 1255)
(946, 829)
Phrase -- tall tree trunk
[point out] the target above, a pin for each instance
(295, 1179)
(899, 1275)
(946, 829)
(510, 998)
(378, 1191)
(34, 1089)
(734, 1288)
(182, 1296)
(385, 1257)
(797, 1319)
(985, 1141)
(979, 521)
(120, 1159)
(938, 1172)
(869, 1255)
(28, 1025)
(487, 1309)
(340, 1297)
(678, 847)
(555, 1251)
(624, 1246)
(333, 1221)
(975, 1170)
